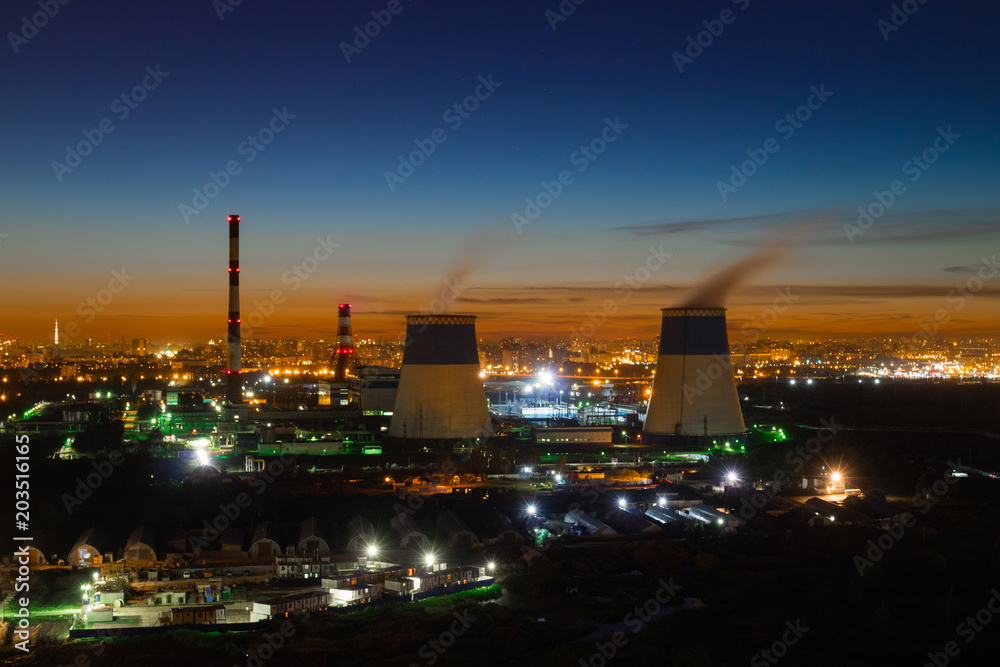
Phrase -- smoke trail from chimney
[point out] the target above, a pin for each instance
(712, 293)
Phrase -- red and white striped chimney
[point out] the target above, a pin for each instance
(345, 346)
(234, 369)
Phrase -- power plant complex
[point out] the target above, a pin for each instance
(438, 397)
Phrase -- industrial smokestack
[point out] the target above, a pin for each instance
(234, 369)
(345, 346)
(441, 395)
(694, 392)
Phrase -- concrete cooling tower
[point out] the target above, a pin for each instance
(694, 392)
(441, 395)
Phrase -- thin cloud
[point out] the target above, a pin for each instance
(661, 227)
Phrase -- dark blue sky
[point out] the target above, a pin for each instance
(657, 183)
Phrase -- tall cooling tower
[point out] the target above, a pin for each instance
(694, 392)
(441, 395)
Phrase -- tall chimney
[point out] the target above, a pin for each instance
(441, 394)
(694, 391)
(234, 369)
(345, 346)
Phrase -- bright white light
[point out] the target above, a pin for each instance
(662, 502)
(621, 503)
(429, 560)
(531, 510)
(527, 470)
(836, 477)
(490, 566)
(202, 457)
(372, 551)
(732, 477)
(545, 377)
(559, 479)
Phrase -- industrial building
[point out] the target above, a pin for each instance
(89, 549)
(141, 546)
(265, 540)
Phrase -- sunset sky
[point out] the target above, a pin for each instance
(927, 90)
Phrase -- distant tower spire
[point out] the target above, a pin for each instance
(345, 346)
(57, 331)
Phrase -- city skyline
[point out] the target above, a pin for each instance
(617, 128)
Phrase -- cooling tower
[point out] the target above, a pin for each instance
(694, 393)
(441, 395)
